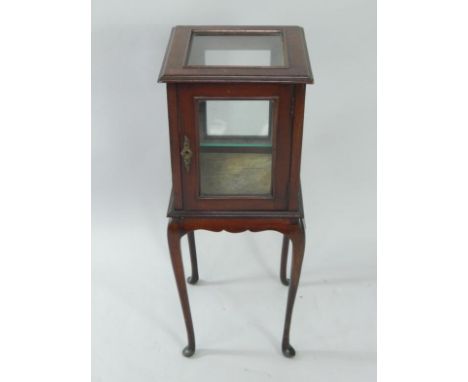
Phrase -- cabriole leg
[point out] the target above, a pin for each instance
(174, 234)
(298, 245)
(193, 258)
(284, 261)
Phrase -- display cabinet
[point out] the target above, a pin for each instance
(236, 106)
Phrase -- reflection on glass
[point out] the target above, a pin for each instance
(236, 50)
(235, 147)
(224, 173)
(243, 117)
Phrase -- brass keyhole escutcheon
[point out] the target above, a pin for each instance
(186, 153)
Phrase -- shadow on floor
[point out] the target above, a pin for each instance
(318, 355)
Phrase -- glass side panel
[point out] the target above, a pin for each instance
(235, 147)
(236, 50)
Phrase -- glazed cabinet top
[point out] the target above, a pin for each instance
(237, 54)
(236, 107)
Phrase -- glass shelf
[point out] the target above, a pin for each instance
(234, 144)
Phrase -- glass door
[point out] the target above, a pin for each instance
(237, 141)
(235, 138)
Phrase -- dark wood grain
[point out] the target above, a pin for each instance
(284, 261)
(193, 279)
(175, 139)
(295, 163)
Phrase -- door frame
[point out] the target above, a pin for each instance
(188, 97)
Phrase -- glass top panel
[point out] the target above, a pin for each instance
(236, 50)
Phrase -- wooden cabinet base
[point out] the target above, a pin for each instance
(292, 230)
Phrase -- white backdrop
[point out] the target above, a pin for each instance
(238, 307)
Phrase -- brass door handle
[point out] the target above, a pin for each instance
(186, 153)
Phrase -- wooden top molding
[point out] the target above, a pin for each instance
(296, 69)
